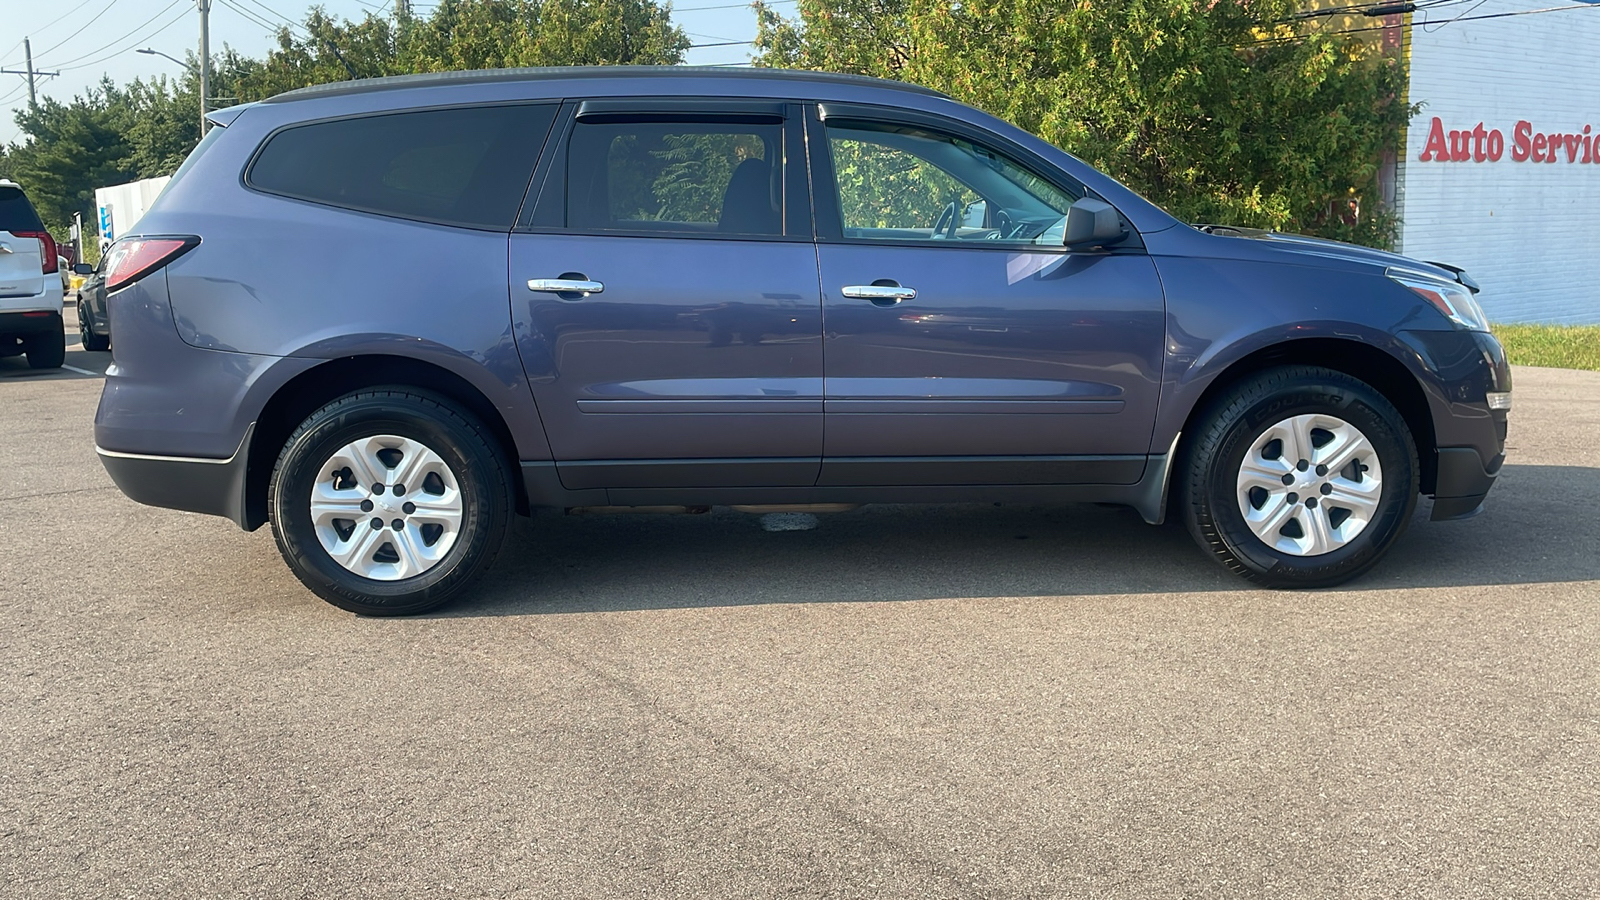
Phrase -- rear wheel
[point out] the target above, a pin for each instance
(86, 335)
(1300, 477)
(389, 502)
(47, 351)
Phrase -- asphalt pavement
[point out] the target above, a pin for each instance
(953, 701)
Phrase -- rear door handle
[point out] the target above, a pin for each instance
(565, 285)
(881, 294)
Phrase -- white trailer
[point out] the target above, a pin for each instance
(121, 206)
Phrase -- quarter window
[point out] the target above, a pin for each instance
(466, 166)
(676, 177)
(902, 184)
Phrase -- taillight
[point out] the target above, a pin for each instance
(131, 259)
(47, 248)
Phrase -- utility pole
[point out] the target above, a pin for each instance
(27, 50)
(33, 96)
(402, 9)
(205, 60)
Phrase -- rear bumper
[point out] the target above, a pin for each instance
(1464, 480)
(215, 487)
(25, 324)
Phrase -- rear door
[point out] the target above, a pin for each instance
(22, 269)
(664, 294)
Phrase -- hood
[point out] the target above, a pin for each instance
(1339, 250)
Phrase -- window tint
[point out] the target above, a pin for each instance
(676, 177)
(454, 166)
(193, 157)
(16, 213)
(904, 184)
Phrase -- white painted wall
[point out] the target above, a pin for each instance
(1529, 232)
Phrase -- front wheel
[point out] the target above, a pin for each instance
(86, 335)
(389, 502)
(1300, 477)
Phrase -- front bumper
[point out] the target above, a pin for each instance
(215, 487)
(1464, 480)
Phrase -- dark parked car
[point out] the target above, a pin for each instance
(619, 287)
(94, 324)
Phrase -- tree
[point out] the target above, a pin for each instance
(1220, 112)
(470, 34)
(113, 134)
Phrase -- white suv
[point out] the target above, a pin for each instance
(30, 284)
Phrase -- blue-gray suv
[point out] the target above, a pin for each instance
(385, 316)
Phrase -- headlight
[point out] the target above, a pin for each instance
(1450, 298)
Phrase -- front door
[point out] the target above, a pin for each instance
(665, 302)
(964, 344)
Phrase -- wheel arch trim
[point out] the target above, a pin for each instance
(1375, 358)
(330, 378)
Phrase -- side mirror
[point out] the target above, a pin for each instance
(82, 269)
(1092, 222)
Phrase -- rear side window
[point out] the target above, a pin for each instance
(193, 157)
(16, 213)
(452, 166)
(676, 177)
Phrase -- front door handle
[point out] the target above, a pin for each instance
(881, 293)
(568, 283)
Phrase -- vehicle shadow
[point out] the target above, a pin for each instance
(80, 363)
(1539, 528)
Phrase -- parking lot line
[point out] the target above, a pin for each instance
(78, 370)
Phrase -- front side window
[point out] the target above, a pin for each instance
(676, 177)
(468, 166)
(904, 184)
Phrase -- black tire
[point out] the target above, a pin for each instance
(1208, 474)
(460, 441)
(86, 335)
(47, 351)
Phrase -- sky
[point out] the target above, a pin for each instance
(86, 40)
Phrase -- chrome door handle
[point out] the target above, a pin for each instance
(877, 292)
(565, 286)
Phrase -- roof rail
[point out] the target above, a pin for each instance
(559, 73)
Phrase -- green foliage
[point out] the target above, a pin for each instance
(1201, 107)
(691, 174)
(469, 34)
(114, 134)
(883, 187)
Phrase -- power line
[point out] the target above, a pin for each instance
(135, 42)
(292, 23)
(1499, 15)
(675, 10)
(47, 27)
(81, 28)
(1370, 7)
(145, 23)
(1470, 9)
(721, 44)
(252, 18)
(14, 94)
